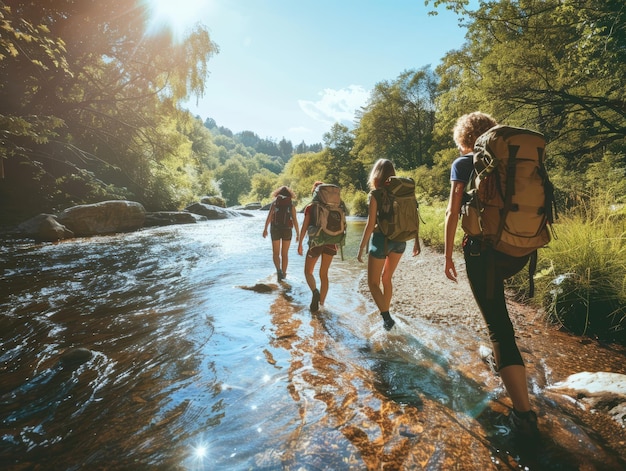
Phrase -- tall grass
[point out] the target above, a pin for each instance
(581, 278)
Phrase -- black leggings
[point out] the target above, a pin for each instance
(486, 271)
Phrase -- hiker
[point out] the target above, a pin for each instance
(486, 270)
(384, 254)
(283, 219)
(326, 250)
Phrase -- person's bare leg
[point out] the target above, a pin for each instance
(284, 255)
(391, 263)
(309, 266)
(515, 382)
(276, 253)
(374, 271)
(324, 266)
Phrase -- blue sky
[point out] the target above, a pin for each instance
(292, 68)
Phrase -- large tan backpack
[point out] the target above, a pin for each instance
(510, 199)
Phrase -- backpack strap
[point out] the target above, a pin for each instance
(532, 268)
(509, 188)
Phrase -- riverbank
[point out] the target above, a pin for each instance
(426, 299)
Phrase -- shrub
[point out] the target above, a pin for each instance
(581, 281)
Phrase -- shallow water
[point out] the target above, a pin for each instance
(193, 369)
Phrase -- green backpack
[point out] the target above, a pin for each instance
(328, 217)
(398, 211)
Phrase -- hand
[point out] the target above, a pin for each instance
(359, 256)
(450, 269)
(265, 233)
(300, 249)
(417, 248)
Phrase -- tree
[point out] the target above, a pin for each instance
(398, 121)
(106, 90)
(342, 168)
(234, 180)
(558, 67)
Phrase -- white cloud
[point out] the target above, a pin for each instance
(336, 105)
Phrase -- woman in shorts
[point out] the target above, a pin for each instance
(281, 229)
(384, 256)
(327, 252)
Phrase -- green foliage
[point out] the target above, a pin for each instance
(581, 280)
(397, 123)
(357, 202)
(262, 186)
(571, 88)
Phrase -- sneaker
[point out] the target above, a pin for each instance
(388, 321)
(388, 324)
(279, 275)
(315, 302)
(524, 424)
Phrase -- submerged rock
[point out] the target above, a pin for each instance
(75, 357)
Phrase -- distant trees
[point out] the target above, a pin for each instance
(398, 121)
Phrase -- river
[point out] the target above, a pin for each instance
(198, 359)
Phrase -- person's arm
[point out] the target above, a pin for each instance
(305, 226)
(369, 227)
(294, 218)
(451, 222)
(268, 219)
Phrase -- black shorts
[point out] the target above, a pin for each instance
(329, 249)
(281, 233)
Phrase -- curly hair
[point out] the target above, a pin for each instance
(381, 171)
(469, 126)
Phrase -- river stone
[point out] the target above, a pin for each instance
(167, 218)
(211, 212)
(75, 357)
(106, 217)
(44, 228)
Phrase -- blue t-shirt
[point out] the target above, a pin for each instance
(462, 169)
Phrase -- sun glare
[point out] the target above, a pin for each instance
(178, 16)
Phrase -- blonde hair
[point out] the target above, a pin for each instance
(469, 126)
(381, 171)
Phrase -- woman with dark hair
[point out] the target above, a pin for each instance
(283, 219)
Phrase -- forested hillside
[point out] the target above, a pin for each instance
(92, 108)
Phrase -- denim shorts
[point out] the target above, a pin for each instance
(377, 246)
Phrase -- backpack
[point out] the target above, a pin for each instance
(328, 217)
(398, 211)
(282, 212)
(509, 198)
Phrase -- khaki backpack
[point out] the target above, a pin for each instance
(510, 198)
(398, 212)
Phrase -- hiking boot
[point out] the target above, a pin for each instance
(315, 302)
(388, 322)
(524, 424)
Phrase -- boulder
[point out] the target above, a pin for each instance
(167, 218)
(106, 217)
(211, 212)
(44, 228)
